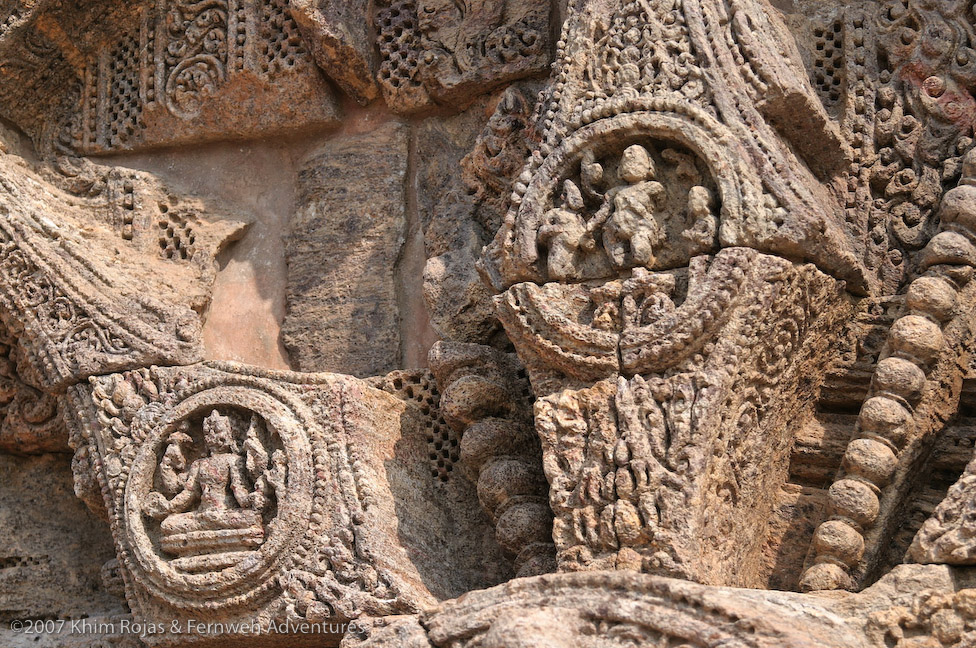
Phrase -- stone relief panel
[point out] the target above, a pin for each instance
(899, 78)
(177, 73)
(166, 73)
(653, 472)
(734, 268)
(266, 495)
(612, 609)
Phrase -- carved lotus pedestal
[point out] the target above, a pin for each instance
(238, 496)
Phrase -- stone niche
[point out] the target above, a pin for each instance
(487, 324)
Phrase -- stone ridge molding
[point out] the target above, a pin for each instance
(718, 249)
(93, 267)
(613, 608)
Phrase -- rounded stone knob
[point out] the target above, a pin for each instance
(933, 296)
(839, 540)
(854, 500)
(885, 417)
(900, 377)
(916, 337)
(825, 576)
(871, 460)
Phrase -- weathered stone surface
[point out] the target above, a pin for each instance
(461, 212)
(484, 401)
(339, 41)
(102, 269)
(606, 608)
(247, 302)
(52, 550)
(928, 347)
(949, 536)
(238, 495)
(342, 249)
(721, 333)
(150, 74)
(448, 52)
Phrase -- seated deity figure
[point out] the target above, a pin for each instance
(562, 232)
(627, 215)
(216, 515)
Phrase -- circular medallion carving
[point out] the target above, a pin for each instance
(218, 497)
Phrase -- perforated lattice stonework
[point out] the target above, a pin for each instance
(443, 443)
(124, 109)
(282, 43)
(829, 63)
(176, 237)
(397, 26)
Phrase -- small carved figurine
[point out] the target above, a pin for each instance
(704, 225)
(216, 515)
(562, 232)
(633, 207)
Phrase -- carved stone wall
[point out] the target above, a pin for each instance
(487, 323)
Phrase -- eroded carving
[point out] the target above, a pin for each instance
(171, 73)
(910, 390)
(447, 52)
(76, 314)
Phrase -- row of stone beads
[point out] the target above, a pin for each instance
(480, 400)
(885, 423)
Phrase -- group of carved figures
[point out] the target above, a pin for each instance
(631, 220)
(665, 397)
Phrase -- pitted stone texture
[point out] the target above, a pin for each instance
(436, 52)
(52, 549)
(338, 36)
(461, 212)
(342, 249)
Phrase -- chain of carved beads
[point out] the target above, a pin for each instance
(885, 422)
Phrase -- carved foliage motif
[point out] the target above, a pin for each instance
(646, 49)
(949, 536)
(176, 60)
(73, 331)
(75, 313)
(902, 80)
(636, 482)
(196, 54)
(30, 420)
(935, 619)
(445, 51)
